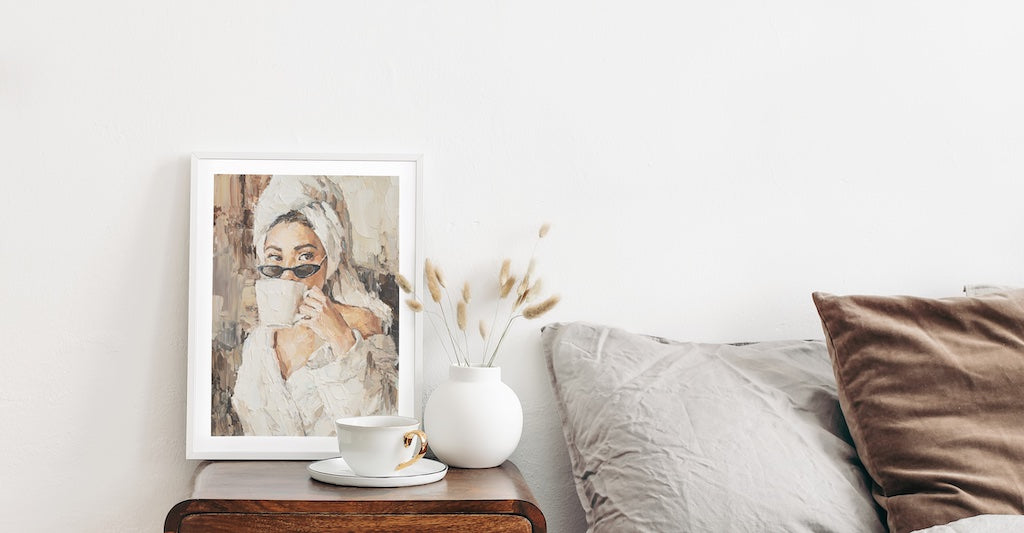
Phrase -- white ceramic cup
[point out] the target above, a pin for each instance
(376, 446)
(278, 301)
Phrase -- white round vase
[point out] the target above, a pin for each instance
(472, 419)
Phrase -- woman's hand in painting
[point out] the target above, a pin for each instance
(325, 318)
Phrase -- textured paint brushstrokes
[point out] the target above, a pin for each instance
(233, 277)
(373, 213)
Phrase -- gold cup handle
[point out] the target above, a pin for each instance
(408, 442)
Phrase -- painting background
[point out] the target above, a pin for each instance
(373, 214)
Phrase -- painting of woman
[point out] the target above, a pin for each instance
(339, 357)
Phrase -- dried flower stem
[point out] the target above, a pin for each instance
(525, 292)
(439, 275)
(503, 276)
(463, 354)
(508, 324)
(533, 291)
(505, 283)
(430, 272)
(504, 332)
(535, 311)
(433, 285)
(506, 288)
(433, 324)
(403, 283)
(453, 314)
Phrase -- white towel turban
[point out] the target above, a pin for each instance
(311, 196)
(321, 201)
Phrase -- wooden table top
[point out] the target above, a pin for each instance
(289, 480)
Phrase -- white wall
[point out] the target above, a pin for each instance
(705, 165)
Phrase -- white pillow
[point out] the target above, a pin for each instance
(671, 436)
(981, 289)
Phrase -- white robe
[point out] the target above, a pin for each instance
(314, 396)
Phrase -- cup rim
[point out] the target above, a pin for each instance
(365, 423)
(277, 281)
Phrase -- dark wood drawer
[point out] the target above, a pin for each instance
(363, 523)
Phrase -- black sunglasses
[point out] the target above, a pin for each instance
(301, 271)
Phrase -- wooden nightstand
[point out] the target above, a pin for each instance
(277, 496)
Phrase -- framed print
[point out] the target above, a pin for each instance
(295, 315)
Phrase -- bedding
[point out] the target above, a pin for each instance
(933, 392)
(677, 436)
(980, 524)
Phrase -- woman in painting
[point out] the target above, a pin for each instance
(337, 359)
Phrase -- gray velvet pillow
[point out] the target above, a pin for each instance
(672, 436)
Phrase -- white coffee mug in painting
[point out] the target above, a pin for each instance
(380, 445)
(278, 301)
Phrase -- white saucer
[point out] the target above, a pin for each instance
(336, 472)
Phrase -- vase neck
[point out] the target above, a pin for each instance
(474, 373)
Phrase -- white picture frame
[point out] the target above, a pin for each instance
(211, 432)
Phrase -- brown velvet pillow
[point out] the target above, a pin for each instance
(933, 393)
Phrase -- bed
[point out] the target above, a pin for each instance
(907, 417)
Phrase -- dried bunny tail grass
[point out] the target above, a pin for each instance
(440, 276)
(544, 230)
(529, 269)
(460, 315)
(414, 304)
(466, 294)
(434, 288)
(507, 287)
(432, 284)
(506, 267)
(523, 285)
(482, 328)
(535, 311)
(403, 283)
(533, 291)
(521, 290)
